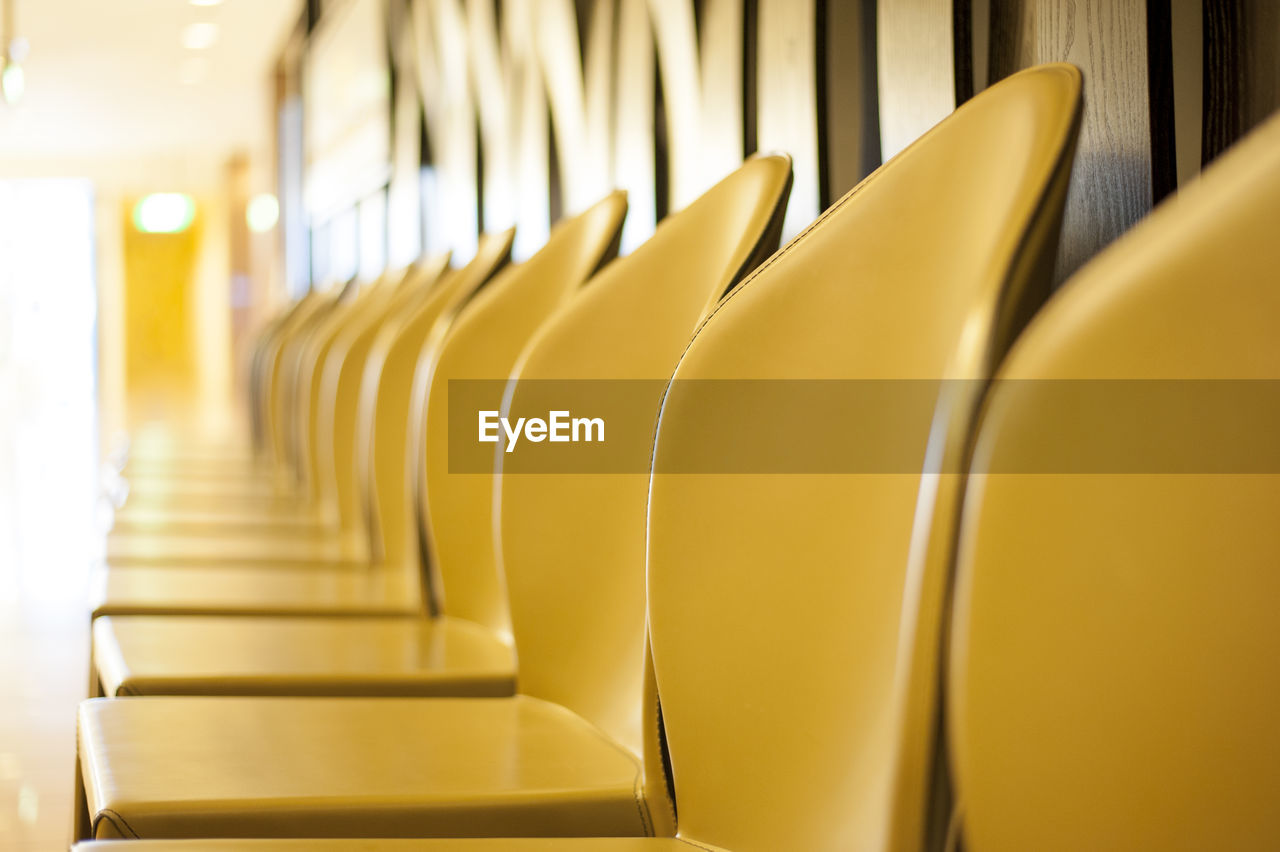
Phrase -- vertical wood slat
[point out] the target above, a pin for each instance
(916, 62)
(1112, 182)
(1241, 69)
(720, 49)
(787, 99)
(1187, 40)
(850, 143)
(677, 41)
(633, 156)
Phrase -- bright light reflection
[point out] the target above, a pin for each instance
(262, 213)
(164, 213)
(14, 82)
(200, 36)
(48, 442)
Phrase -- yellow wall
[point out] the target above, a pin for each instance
(158, 273)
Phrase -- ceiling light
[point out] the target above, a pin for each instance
(262, 213)
(164, 213)
(200, 36)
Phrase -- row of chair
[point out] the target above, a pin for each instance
(751, 661)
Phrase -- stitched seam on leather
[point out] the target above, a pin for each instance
(734, 292)
(637, 791)
(115, 819)
(773, 226)
(661, 749)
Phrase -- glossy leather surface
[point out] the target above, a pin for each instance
(795, 616)
(522, 766)
(387, 405)
(308, 355)
(527, 844)
(388, 767)
(256, 547)
(148, 655)
(449, 655)
(340, 382)
(584, 532)
(1114, 648)
(483, 343)
(384, 373)
(249, 590)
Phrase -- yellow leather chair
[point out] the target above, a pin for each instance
(293, 352)
(1113, 681)
(156, 448)
(279, 365)
(794, 616)
(267, 482)
(457, 766)
(386, 582)
(462, 650)
(301, 351)
(394, 353)
(318, 493)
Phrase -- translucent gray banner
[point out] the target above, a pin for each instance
(864, 426)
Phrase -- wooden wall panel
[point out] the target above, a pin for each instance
(678, 60)
(1187, 39)
(598, 82)
(787, 100)
(582, 166)
(1241, 69)
(721, 43)
(633, 153)
(1112, 183)
(529, 145)
(404, 200)
(453, 207)
(494, 110)
(850, 144)
(916, 63)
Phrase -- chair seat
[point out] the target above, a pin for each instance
(262, 547)
(151, 521)
(315, 590)
(183, 486)
(353, 767)
(200, 655)
(528, 844)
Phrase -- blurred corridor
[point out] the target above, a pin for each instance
(304, 302)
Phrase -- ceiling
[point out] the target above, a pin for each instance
(105, 79)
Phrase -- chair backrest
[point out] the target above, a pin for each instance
(386, 406)
(572, 544)
(482, 345)
(312, 356)
(264, 342)
(287, 371)
(275, 431)
(1112, 678)
(794, 586)
(304, 359)
(339, 395)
